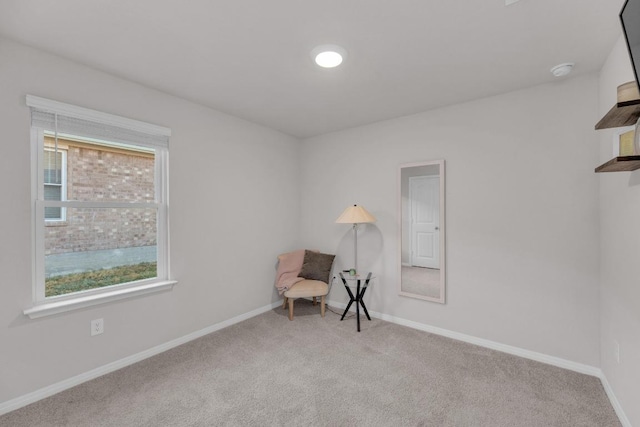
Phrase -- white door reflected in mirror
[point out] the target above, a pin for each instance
(421, 212)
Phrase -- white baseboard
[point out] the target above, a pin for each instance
(614, 402)
(52, 389)
(516, 351)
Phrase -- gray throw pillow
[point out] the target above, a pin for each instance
(317, 266)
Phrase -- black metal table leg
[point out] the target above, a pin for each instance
(359, 294)
(346, 309)
(366, 285)
(365, 310)
(352, 298)
(358, 305)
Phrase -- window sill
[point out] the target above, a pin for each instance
(56, 223)
(51, 308)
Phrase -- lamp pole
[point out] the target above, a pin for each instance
(355, 247)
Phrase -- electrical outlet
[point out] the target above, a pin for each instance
(616, 351)
(97, 327)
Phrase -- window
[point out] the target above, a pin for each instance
(100, 216)
(55, 182)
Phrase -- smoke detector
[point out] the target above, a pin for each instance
(561, 70)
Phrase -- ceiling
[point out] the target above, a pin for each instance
(251, 58)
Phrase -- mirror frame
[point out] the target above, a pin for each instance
(402, 166)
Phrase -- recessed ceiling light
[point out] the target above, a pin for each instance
(328, 55)
(562, 69)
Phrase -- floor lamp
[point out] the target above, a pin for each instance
(355, 215)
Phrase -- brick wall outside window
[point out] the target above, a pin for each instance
(98, 174)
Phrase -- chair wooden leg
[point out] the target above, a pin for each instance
(315, 301)
(290, 308)
(284, 304)
(322, 305)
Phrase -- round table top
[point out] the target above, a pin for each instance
(354, 279)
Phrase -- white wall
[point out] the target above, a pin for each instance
(521, 211)
(620, 249)
(228, 179)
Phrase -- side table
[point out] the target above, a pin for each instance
(360, 289)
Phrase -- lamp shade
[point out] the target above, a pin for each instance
(355, 215)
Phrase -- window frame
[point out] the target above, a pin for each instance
(42, 305)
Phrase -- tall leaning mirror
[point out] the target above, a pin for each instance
(421, 260)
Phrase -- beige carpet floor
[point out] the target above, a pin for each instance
(268, 371)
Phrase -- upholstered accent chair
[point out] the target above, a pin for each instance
(312, 278)
(306, 289)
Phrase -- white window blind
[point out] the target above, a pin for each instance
(54, 116)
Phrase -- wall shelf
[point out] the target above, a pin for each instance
(622, 114)
(620, 164)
